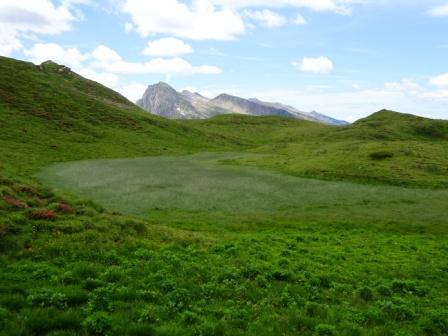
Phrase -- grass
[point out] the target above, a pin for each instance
(416, 147)
(262, 253)
(202, 184)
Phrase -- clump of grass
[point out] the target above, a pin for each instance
(99, 323)
(381, 155)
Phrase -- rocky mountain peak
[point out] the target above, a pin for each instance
(163, 100)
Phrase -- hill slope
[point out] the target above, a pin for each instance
(387, 147)
(49, 113)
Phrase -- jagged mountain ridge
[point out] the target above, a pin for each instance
(165, 101)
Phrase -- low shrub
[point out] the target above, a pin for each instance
(42, 214)
(65, 208)
(436, 323)
(406, 287)
(4, 230)
(48, 298)
(99, 323)
(381, 155)
(43, 321)
(366, 294)
(313, 309)
(384, 291)
(149, 314)
(325, 330)
(397, 311)
(100, 299)
(15, 203)
(12, 301)
(141, 330)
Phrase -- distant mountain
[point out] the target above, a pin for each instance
(163, 100)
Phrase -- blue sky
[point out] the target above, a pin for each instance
(344, 58)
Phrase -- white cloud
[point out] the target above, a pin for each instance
(337, 6)
(441, 80)
(436, 95)
(157, 66)
(111, 63)
(267, 18)
(105, 54)
(36, 16)
(320, 65)
(8, 41)
(169, 46)
(200, 21)
(216, 19)
(133, 91)
(107, 79)
(299, 20)
(352, 104)
(405, 85)
(108, 60)
(42, 52)
(439, 11)
(24, 17)
(128, 27)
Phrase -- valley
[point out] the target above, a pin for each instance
(203, 185)
(115, 221)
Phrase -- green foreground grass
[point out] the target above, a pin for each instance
(259, 254)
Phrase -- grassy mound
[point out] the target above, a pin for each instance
(417, 148)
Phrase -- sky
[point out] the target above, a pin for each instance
(343, 58)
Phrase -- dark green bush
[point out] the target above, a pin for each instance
(48, 298)
(399, 312)
(325, 330)
(141, 330)
(99, 323)
(366, 294)
(384, 291)
(406, 287)
(150, 314)
(313, 309)
(42, 321)
(382, 155)
(436, 323)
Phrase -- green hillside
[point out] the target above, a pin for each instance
(49, 114)
(117, 222)
(387, 147)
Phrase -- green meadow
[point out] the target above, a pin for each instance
(205, 183)
(117, 222)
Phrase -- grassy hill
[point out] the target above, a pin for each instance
(142, 238)
(49, 113)
(387, 147)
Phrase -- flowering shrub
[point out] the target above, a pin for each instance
(65, 208)
(4, 229)
(13, 202)
(45, 214)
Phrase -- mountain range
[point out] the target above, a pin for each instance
(165, 101)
